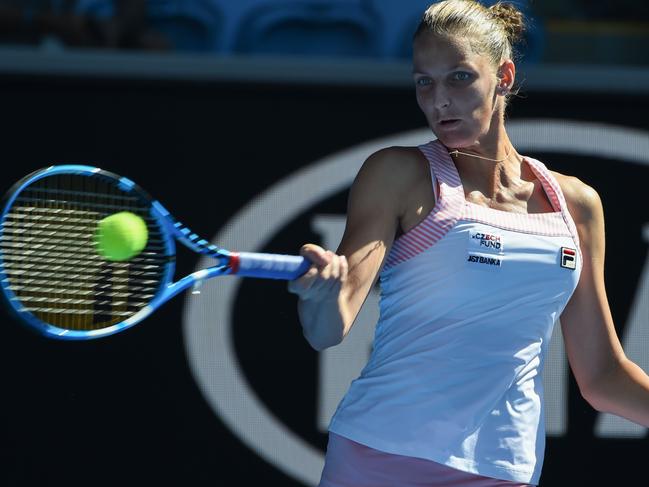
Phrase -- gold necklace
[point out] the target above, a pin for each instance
(455, 152)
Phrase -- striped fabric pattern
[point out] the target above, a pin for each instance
(451, 207)
(444, 215)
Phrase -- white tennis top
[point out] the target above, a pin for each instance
(469, 298)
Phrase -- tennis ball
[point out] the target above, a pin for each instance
(121, 236)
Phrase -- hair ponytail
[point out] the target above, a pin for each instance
(512, 20)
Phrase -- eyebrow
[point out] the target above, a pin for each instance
(416, 70)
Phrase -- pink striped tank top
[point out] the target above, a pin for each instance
(469, 298)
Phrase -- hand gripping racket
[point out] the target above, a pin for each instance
(56, 282)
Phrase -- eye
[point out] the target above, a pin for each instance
(461, 76)
(423, 81)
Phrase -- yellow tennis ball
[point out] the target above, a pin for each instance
(121, 236)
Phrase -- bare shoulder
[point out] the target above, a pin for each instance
(583, 201)
(390, 173)
(398, 164)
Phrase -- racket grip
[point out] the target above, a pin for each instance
(268, 266)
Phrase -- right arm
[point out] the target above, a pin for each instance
(332, 292)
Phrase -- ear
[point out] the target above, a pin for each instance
(506, 75)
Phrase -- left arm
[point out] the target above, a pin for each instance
(607, 379)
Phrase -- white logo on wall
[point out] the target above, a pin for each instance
(207, 317)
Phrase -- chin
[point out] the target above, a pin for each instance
(455, 141)
(458, 139)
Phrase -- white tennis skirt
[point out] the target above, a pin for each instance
(351, 464)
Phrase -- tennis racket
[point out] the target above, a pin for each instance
(55, 281)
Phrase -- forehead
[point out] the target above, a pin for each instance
(432, 52)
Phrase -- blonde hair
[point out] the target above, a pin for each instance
(492, 31)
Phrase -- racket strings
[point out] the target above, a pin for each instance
(97, 206)
(50, 260)
(71, 280)
(79, 255)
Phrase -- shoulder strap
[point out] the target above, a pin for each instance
(441, 164)
(554, 192)
(448, 209)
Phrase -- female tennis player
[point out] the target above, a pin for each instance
(479, 250)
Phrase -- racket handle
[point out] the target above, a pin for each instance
(269, 266)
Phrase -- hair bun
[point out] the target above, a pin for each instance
(511, 18)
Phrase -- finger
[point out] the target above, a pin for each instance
(344, 268)
(335, 265)
(334, 284)
(325, 271)
(315, 254)
(303, 283)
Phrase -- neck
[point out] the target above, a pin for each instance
(487, 168)
(456, 152)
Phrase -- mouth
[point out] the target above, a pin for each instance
(449, 122)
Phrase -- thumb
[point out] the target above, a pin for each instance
(316, 254)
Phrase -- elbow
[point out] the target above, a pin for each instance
(320, 342)
(601, 389)
(322, 347)
(324, 327)
(588, 390)
(319, 345)
(598, 391)
(592, 399)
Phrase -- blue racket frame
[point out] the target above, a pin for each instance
(245, 264)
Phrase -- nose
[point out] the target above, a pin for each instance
(441, 98)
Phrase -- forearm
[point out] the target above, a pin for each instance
(624, 392)
(323, 322)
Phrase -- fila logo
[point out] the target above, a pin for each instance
(568, 258)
